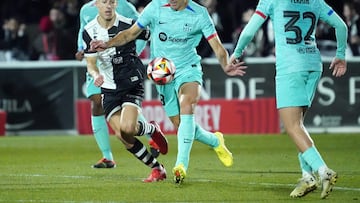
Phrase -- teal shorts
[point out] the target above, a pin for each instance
(91, 89)
(169, 93)
(296, 89)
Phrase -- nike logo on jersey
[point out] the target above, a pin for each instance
(161, 22)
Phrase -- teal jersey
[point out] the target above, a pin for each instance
(176, 34)
(88, 12)
(294, 25)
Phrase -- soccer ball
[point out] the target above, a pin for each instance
(161, 70)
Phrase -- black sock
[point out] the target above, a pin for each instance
(141, 153)
(145, 128)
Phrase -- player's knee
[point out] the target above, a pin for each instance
(128, 129)
(187, 104)
(293, 129)
(187, 108)
(118, 134)
(97, 111)
(96, 108)
(175, 120)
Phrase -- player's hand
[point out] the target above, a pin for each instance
(235, 67)
(97, 45)
(79, 55)
(338, 66)
(98, 80)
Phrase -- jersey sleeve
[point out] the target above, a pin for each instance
(147, 15)
(264, 7)
(208, 28)
(329, 16)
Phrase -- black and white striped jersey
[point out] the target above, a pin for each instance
(111, 60)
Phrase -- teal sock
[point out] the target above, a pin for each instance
(305, 168)
(142, 118)
(313, 158)
(185, 136)
(101, 134)
(206, 137)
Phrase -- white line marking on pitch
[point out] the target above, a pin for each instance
(194, 180)
(43, 175)
(275, 184)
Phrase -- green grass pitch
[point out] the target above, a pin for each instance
(54, 169)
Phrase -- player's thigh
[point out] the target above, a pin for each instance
(291, 117)
(312, 83)
(128, 119)
(169, 93)
(114, 122)
(296, 89)
(189, 95)
(169, 99)
(188, 86)
(191, 91)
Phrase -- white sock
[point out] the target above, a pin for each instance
(306, 174)
(322, 170)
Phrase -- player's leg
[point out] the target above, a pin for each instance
(99, 125)
(312, 157)
(328, 177)
(307, 183)
(301, 94)
(126, 130)
(189, 94)
(157, 140)
(292, 120)
(214, 140)
(154, 148)
(217, 142)
(305, 168)
(169, 99)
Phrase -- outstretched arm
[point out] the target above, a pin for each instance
(249, 32)
(120, 39)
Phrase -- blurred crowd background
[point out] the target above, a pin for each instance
(47, 29)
